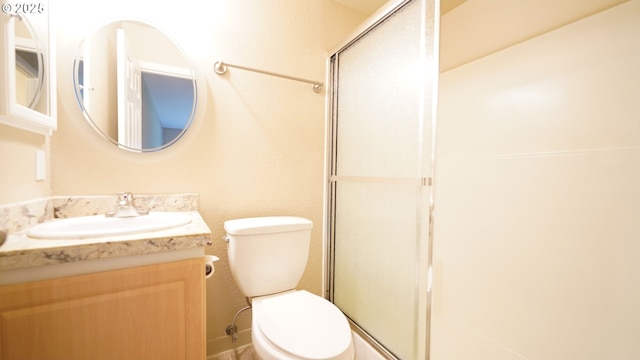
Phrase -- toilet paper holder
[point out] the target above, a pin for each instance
(209, 268)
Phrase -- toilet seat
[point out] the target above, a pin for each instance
(303, 326)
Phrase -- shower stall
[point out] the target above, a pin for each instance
(536, 252)
(379, 202)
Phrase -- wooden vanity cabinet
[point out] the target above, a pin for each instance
(148, 312)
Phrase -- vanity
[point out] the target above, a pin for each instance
(130, 295)
(127, 296)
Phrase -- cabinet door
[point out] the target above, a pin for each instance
(150, 312)
(27, 67)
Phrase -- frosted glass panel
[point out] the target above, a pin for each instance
(381, 143)
(378, 108)
(375, 263)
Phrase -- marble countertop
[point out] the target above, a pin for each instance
(20, 251)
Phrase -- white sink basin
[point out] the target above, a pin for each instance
(101, 226)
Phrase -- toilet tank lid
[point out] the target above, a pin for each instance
(266, 225)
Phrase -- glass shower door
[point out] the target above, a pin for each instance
(382, 105)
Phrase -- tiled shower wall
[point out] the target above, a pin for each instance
(538, 200)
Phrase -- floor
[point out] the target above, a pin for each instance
(364, 351)
(241, 353)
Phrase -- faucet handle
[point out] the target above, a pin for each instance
(126, 207)
(125, 198)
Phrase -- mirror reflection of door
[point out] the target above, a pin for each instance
(95, 83)
(166, 101)
(154, 100)
(129, 95)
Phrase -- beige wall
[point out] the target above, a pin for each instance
(537, 198)
(18, 147)
(18, 165)
(256, 147)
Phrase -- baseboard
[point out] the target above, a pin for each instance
(364, 351)
(224, 344)
(233, 354)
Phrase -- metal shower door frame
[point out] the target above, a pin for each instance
(431, 10)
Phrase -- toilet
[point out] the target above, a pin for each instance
(267, 256)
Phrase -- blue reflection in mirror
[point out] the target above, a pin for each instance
(167, 103)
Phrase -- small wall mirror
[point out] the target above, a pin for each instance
(29, 67)
(135, 86)
(27, 70)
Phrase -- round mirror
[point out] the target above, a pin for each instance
(29, 65)
(135, 86)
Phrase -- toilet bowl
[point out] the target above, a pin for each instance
(298, 325)
(267, 256)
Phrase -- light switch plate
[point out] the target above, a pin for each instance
(40, 165)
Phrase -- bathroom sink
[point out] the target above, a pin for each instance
(100, 226)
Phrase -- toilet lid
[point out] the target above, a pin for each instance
(304, 325)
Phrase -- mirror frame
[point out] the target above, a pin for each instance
(12, 113)
(78, 88)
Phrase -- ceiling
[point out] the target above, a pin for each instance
(471, 29)
(368, 7)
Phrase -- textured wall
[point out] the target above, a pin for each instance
(257, 145)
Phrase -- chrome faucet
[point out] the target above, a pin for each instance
(126, 207)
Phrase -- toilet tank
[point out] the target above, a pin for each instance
(268, 255)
